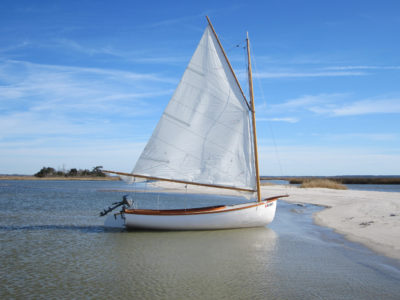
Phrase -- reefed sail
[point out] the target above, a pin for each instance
(205, 133)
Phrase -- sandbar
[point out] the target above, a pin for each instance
(367, 217)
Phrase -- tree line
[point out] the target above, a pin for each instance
(51, 172)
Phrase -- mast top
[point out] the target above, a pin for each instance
(229, 63)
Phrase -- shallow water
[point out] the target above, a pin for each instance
(53, 245)
(375, 187)
(395, 188)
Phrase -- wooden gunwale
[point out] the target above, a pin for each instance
(197, 211)
(177, 211)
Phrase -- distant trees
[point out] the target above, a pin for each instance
(96, 171)
(51, 172)
(46, 172)
(72, 172)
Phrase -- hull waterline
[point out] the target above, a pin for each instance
(223, 217)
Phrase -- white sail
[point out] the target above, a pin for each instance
(204, 134)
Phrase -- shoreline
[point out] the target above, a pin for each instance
(370, 218)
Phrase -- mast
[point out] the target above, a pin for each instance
(253, 115)
(250, 106)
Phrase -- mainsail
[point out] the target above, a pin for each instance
(204, 134)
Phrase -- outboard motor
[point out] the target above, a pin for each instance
(125, 203)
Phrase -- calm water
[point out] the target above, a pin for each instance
(375, 187)
(53, 245)
(360, 187)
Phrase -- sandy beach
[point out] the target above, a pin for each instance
(367, 217)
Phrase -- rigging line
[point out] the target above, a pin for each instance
(268, 123)
(134, 190)
(227, 61)
(246, 67)
(237, 46)
(186, 195)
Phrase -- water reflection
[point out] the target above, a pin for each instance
(216, 264)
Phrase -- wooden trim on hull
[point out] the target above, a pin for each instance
(235, 216)
(188, 211)
(197, 211)
(275, 197)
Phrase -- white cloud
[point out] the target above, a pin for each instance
(284, 119)
(10, 48)
(142, 56)
(37, 87)
(334, 71)
(33, 69)
(338, 105)
(327, 161)
(295, 74)
(381, 137)
(363, 68)
(67, 43)
(377, 106)
(308, 102)
(40, 103)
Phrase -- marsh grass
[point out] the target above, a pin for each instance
(322, 183)
(266, 183)
(349, 179)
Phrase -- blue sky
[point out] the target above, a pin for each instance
(83, 83)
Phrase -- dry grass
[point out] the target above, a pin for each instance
(349, 179)
(266, 183)
(323, 183)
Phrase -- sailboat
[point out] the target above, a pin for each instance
(205, 137)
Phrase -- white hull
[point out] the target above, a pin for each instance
(228, 217)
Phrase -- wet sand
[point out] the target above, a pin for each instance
(366, 217)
